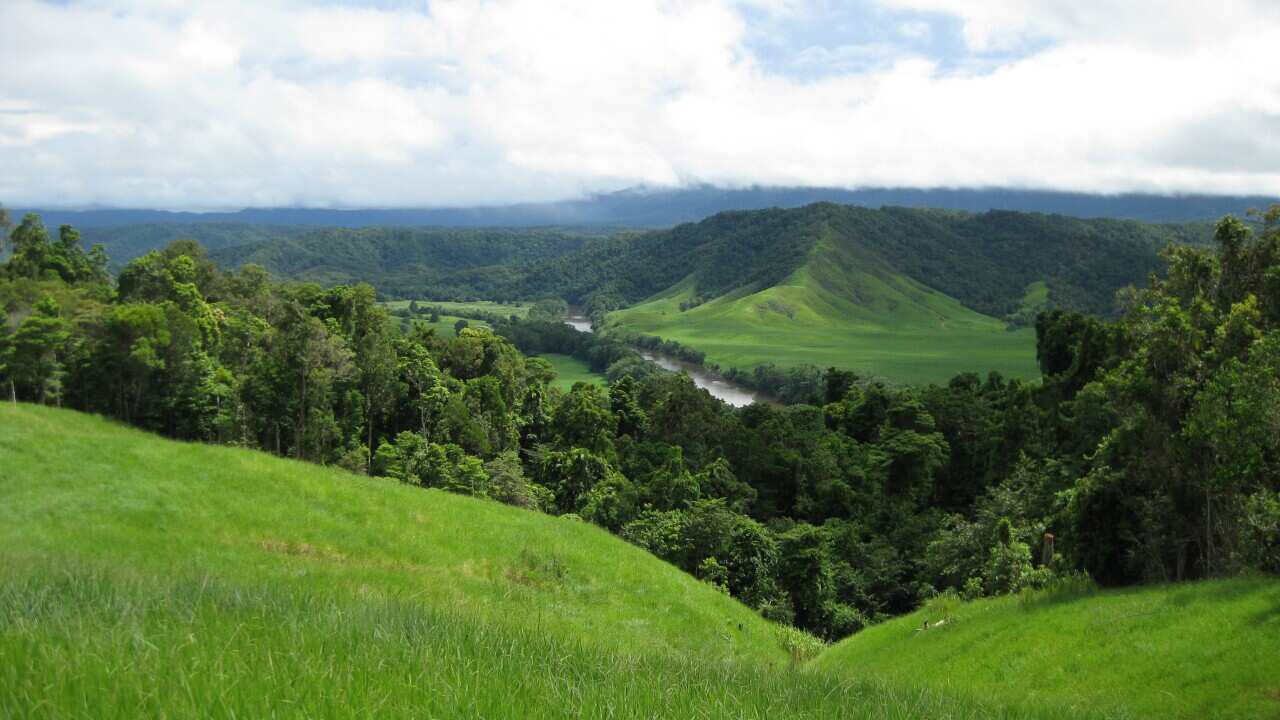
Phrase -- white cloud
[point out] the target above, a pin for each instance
(222, 104)
(915, 29)
(1167, 24)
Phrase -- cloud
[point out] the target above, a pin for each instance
(222, 104)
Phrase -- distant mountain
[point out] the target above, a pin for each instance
(664, 208)
(443, 263)
(984, 260)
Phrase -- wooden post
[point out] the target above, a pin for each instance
(1046, 555)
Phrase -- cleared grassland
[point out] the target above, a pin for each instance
(446, 326)
(1195, 650)
(465, 308)
(141, 577)
(882, 325)
(570, 371)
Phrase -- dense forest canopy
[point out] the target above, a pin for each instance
(1149, 449)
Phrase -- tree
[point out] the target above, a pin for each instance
(135, 346)
(6, 354)
(582, 420)
(571, 475)
(552, 310)
(507, 483)
(313, 359)
(625, 405)
(30, 248)
(461, 325)
(375, 358)
(6, 222)
(37, 348)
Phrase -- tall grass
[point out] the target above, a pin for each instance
(77, 642)
(1195, 650)
(141, 577)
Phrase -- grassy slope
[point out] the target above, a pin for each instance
(141, 577)
(838, 311)
(571, 370)
(1197, 650)
(446, 326)
(82, 488)
(477, 306)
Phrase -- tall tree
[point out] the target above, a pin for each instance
(6, 354)
(375, 359)
(6, 221)
(38, 345)
(30, 248)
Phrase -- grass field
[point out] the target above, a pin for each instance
(570, 370)
(828, 315)
(1197, 650)
(446, 326)
(465, 308)
(141, 577)
(93, 644)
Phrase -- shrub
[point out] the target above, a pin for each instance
(712, 572)
(973, 588)
(800, 645)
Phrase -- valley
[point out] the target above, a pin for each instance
(646, 360)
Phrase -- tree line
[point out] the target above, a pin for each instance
(1149, 448)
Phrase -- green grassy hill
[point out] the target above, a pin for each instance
(571, 371)
(145, 577)
(842, 310)
(1197, 650)
(142, 577)
(84, 489)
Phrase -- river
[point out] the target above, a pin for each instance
(721, 389)
(578, 321)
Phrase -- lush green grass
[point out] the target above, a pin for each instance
(446, 326)
(82, 488)
(570, 371)
(465, 308)
(1195, 650)
(1036, 298)
(143, 577)
(93, 644)
(833, 312)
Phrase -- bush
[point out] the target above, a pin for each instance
(973, 588)
(943, 606)
(800, 645)
(712, 572)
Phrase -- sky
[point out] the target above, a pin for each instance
(391, 103)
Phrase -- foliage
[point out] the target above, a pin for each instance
(1147, 450)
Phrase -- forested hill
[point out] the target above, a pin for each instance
(406, 261)
(126, 242)
(986, 261)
